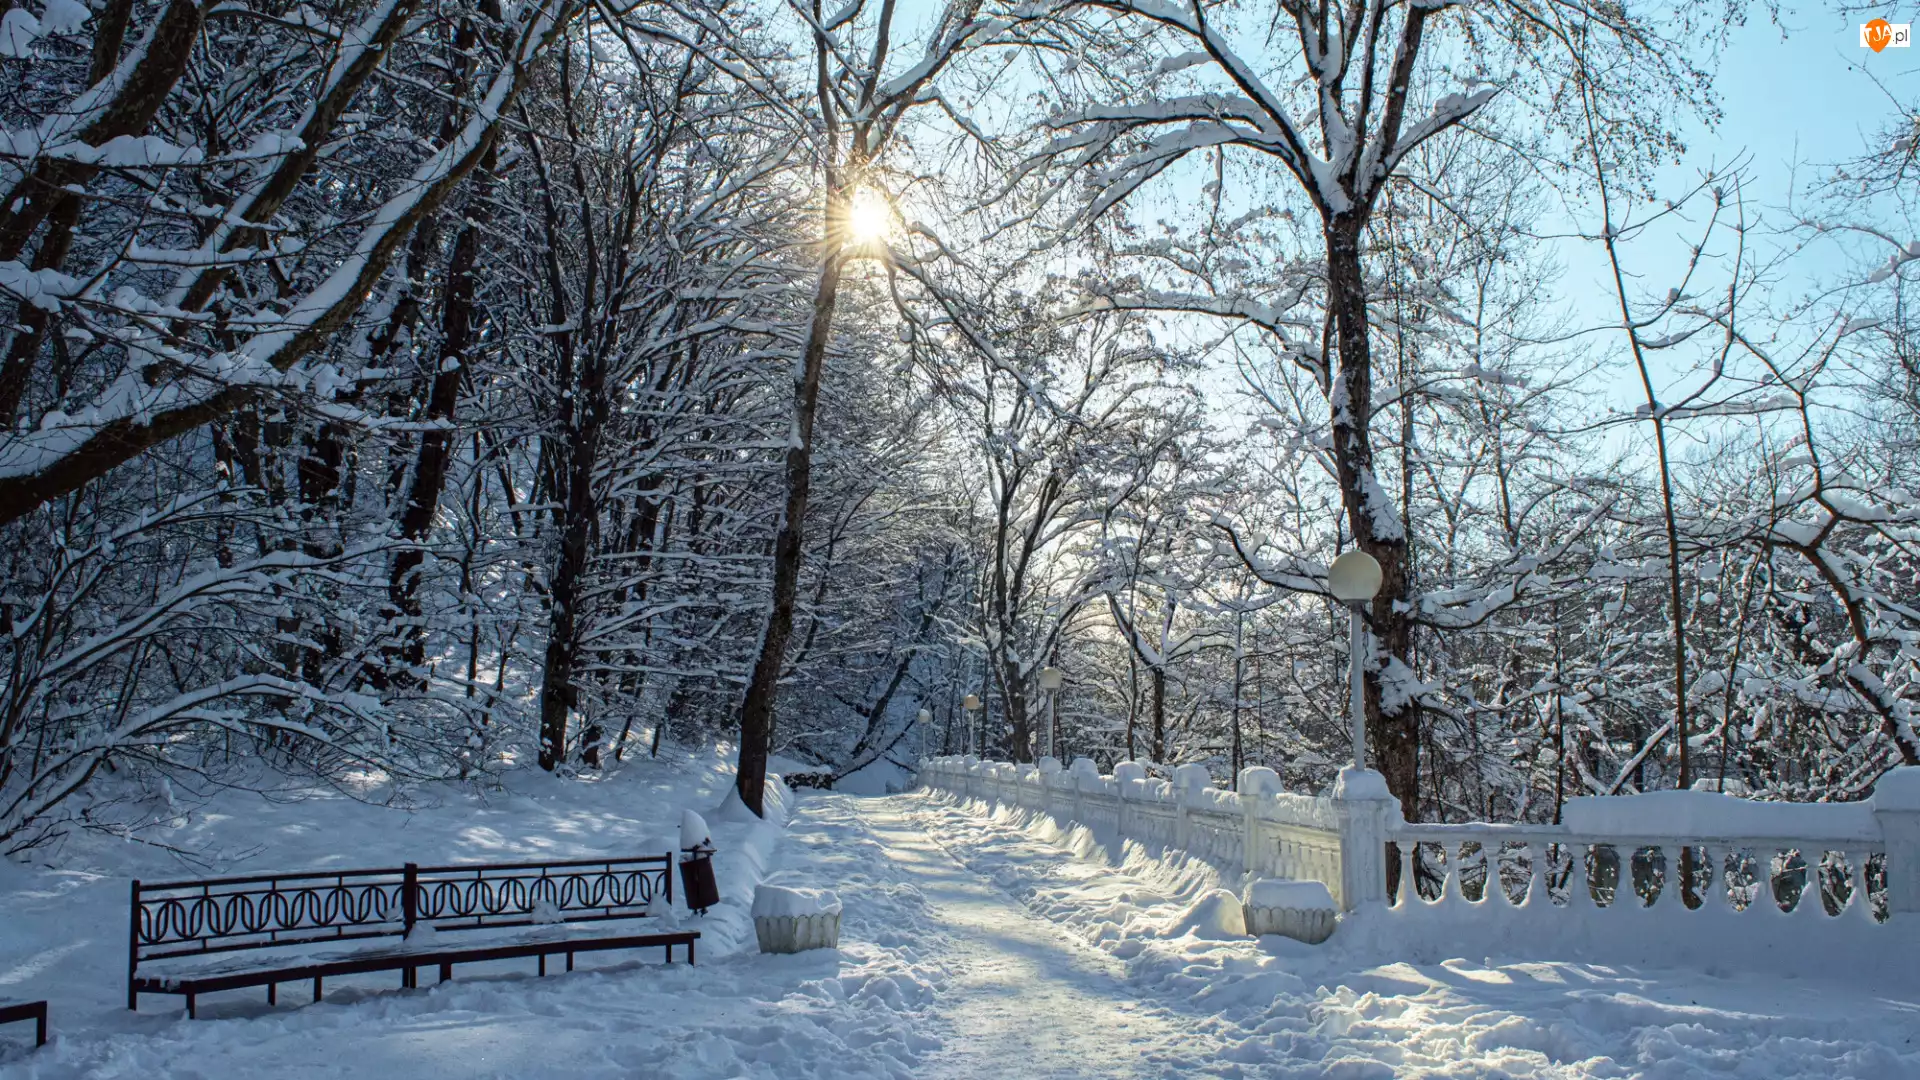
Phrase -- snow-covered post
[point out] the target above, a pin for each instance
(1125, 775)
(1050, 769)
(1084, 772)
(1362, 803)
(1896, 806)
(1188, 781)
(1256, 783)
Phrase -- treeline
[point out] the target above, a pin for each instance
(445, 386)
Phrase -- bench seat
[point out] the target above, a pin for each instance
(197, 937)
(231, 972)
(20, 1012)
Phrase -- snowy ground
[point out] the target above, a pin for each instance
(973, 946)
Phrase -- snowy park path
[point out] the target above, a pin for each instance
(976, 945)
(1021, 990)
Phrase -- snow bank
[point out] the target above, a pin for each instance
(1214, 917)
(1762, 940)
(63, 927)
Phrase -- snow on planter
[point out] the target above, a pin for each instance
(795, 920)
(1302, 910)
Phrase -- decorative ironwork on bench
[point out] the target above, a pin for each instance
(511, 894)
(191, 918)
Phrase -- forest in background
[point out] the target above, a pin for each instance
(446, 386)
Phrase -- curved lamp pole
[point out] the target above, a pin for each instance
(972, 705)
(1354, 580)
(1051, 679)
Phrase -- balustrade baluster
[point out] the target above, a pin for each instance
(1537, 875)
(1579, 881)
(1452, 887)
(1409, 886)
(1860, 904)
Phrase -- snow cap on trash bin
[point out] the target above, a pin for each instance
(694, 832)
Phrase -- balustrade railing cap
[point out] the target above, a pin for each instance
(1048, 765)
(1259, 780)
(1356, 784)
(1191, 777)
(1898, 789)
(1084, 768)
(1129, 770)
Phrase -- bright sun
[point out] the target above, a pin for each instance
(868, 216)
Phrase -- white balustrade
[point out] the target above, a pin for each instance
(1856, 861)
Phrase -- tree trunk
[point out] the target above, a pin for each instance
(1375, 527)
(763, 688)
(422, 502)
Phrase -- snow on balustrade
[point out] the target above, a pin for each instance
(1264, 832)
(1855, 862)
(1634, 850)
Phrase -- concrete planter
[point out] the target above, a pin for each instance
(797, 933)
(1302, 910)
(795, 920)
(1312, 927)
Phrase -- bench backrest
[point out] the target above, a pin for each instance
(213, 915)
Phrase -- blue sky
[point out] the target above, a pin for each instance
(1798, 97)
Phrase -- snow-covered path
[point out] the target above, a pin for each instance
(1021, 990)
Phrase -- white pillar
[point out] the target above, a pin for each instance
(1364, 807)
(1256, 783)
(1896, 806)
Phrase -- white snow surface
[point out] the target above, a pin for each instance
(781, 901)
(1389, 997)
(1710, 814)
(694, 832)
(1298, 895)
(974, 944)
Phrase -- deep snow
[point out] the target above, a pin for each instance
(975, 944)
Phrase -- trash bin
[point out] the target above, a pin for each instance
(696, 864)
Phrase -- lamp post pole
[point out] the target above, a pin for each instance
(1051, 679)
(972, 706)
(1354, 580)
(926, 723)
(1356, 683)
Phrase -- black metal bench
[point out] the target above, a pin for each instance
(227, 933)
(35, 1011)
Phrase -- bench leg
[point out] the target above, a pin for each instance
(669, 952)
(689, 954)
(40, 1027)
(543, 963)
(569, 961)
(273, 993)
(190, 1012)
(446, 972)
(133, 999)
(316, 988)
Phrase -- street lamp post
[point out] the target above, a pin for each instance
(972, 705)
(1354, 579)
(1051, 679)
(926, 723)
